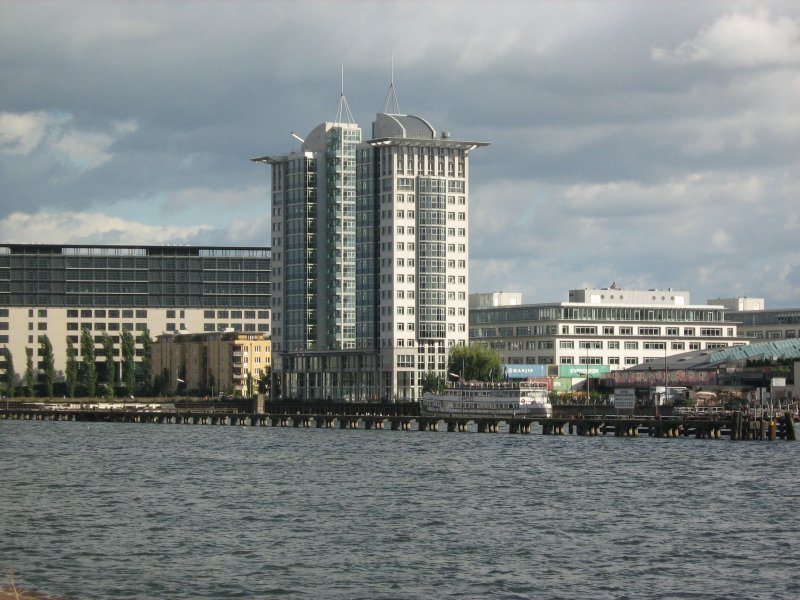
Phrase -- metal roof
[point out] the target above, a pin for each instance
(700, 360)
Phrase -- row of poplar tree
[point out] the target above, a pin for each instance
(83, 375)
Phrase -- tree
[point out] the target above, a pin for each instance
(11, 376)
(128, 361)
(431, 382)
(89, 370)
(72, 368)
(110, 365)
(48, 364)
(474, 363)
(29, 375)
(144, 378)
(249, 384)
(211, 383)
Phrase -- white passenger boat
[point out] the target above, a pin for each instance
(477, 399)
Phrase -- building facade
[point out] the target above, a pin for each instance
(599, 331)
(59, 290)
(370, 259)
(211, 363)
(757, 323)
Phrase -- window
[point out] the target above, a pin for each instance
(613, 360)
(688, 331)
(591, 345)
(649, 331)
(631, 360)
(608, 330)
(672, 331)
(566, 360)
(583, 330)
(613, 345)
(654, 345)
(626, 330)
(631, 346)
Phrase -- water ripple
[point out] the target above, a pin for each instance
(107, 510)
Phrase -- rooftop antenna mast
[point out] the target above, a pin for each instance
(343, 112)
(390, 104)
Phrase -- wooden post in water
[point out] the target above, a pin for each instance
(789, 426)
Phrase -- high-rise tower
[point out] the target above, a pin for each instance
(370, 258)
(413, 249)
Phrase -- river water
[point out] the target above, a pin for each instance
(108, 510)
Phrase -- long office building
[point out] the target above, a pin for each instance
(370, 258)
(757, 322)
(598, 331)
(59, 290)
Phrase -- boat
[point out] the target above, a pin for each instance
(494, 400)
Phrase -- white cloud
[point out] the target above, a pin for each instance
(85, 150)
(21, 133)
(91, 228)
(739, 40)
(253, 231)
(55, 132)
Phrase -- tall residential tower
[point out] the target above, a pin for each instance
(370, 258)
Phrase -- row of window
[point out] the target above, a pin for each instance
(247, 327)
(606, 330)
(615, 345)
(772, 335)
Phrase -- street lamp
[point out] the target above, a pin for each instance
(588, 381)
(666, 378)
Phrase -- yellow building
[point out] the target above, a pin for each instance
(211, 363)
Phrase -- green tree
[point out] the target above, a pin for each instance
(71, 373)
(475, 363)
(109, 367)
(128, 361)
(48, 364)
(431, 382)
(211, 383)
(144, 373)
(10, 376)
(89, 369)
(29, 374)
(249, 383)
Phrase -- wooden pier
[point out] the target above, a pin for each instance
(734, 426)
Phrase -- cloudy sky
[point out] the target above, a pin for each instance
(651, 143)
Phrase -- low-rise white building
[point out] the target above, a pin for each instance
(601, 330)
